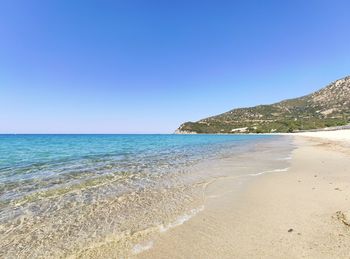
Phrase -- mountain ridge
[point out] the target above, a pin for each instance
(327, 107)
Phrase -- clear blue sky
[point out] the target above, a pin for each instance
(147, 66)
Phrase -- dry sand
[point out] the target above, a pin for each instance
(338, 135)
(301, 213)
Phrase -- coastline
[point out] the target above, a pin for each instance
(303, 212)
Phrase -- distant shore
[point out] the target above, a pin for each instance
(344, 128)
(303, 212)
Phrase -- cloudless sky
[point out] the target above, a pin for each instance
(70, 66)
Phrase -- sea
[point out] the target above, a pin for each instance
(102, 196)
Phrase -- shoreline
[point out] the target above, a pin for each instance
(115, 208)
(303, 212)
(326, 131)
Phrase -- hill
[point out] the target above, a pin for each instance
(330, 106)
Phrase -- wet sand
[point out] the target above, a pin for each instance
(301, 213)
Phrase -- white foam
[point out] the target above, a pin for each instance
(180, 220)
(279, 170)
(271, 171)
(139, 248)
(285, 158)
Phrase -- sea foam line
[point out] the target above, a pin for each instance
(271, 171)
(139, 248)
(181, 219)
(285, 158)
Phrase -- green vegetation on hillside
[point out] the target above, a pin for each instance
(327, 107)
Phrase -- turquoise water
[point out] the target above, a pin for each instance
(68, 192)
(39, 162)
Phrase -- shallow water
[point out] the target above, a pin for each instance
(103, 195)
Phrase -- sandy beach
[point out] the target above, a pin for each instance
(174, 129)
(337, 135)
(301, 213)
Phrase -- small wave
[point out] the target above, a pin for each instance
(271, 171)
(180, 220)
(285, 158)
(139, 248)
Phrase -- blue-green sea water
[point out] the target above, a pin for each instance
(69, 192)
